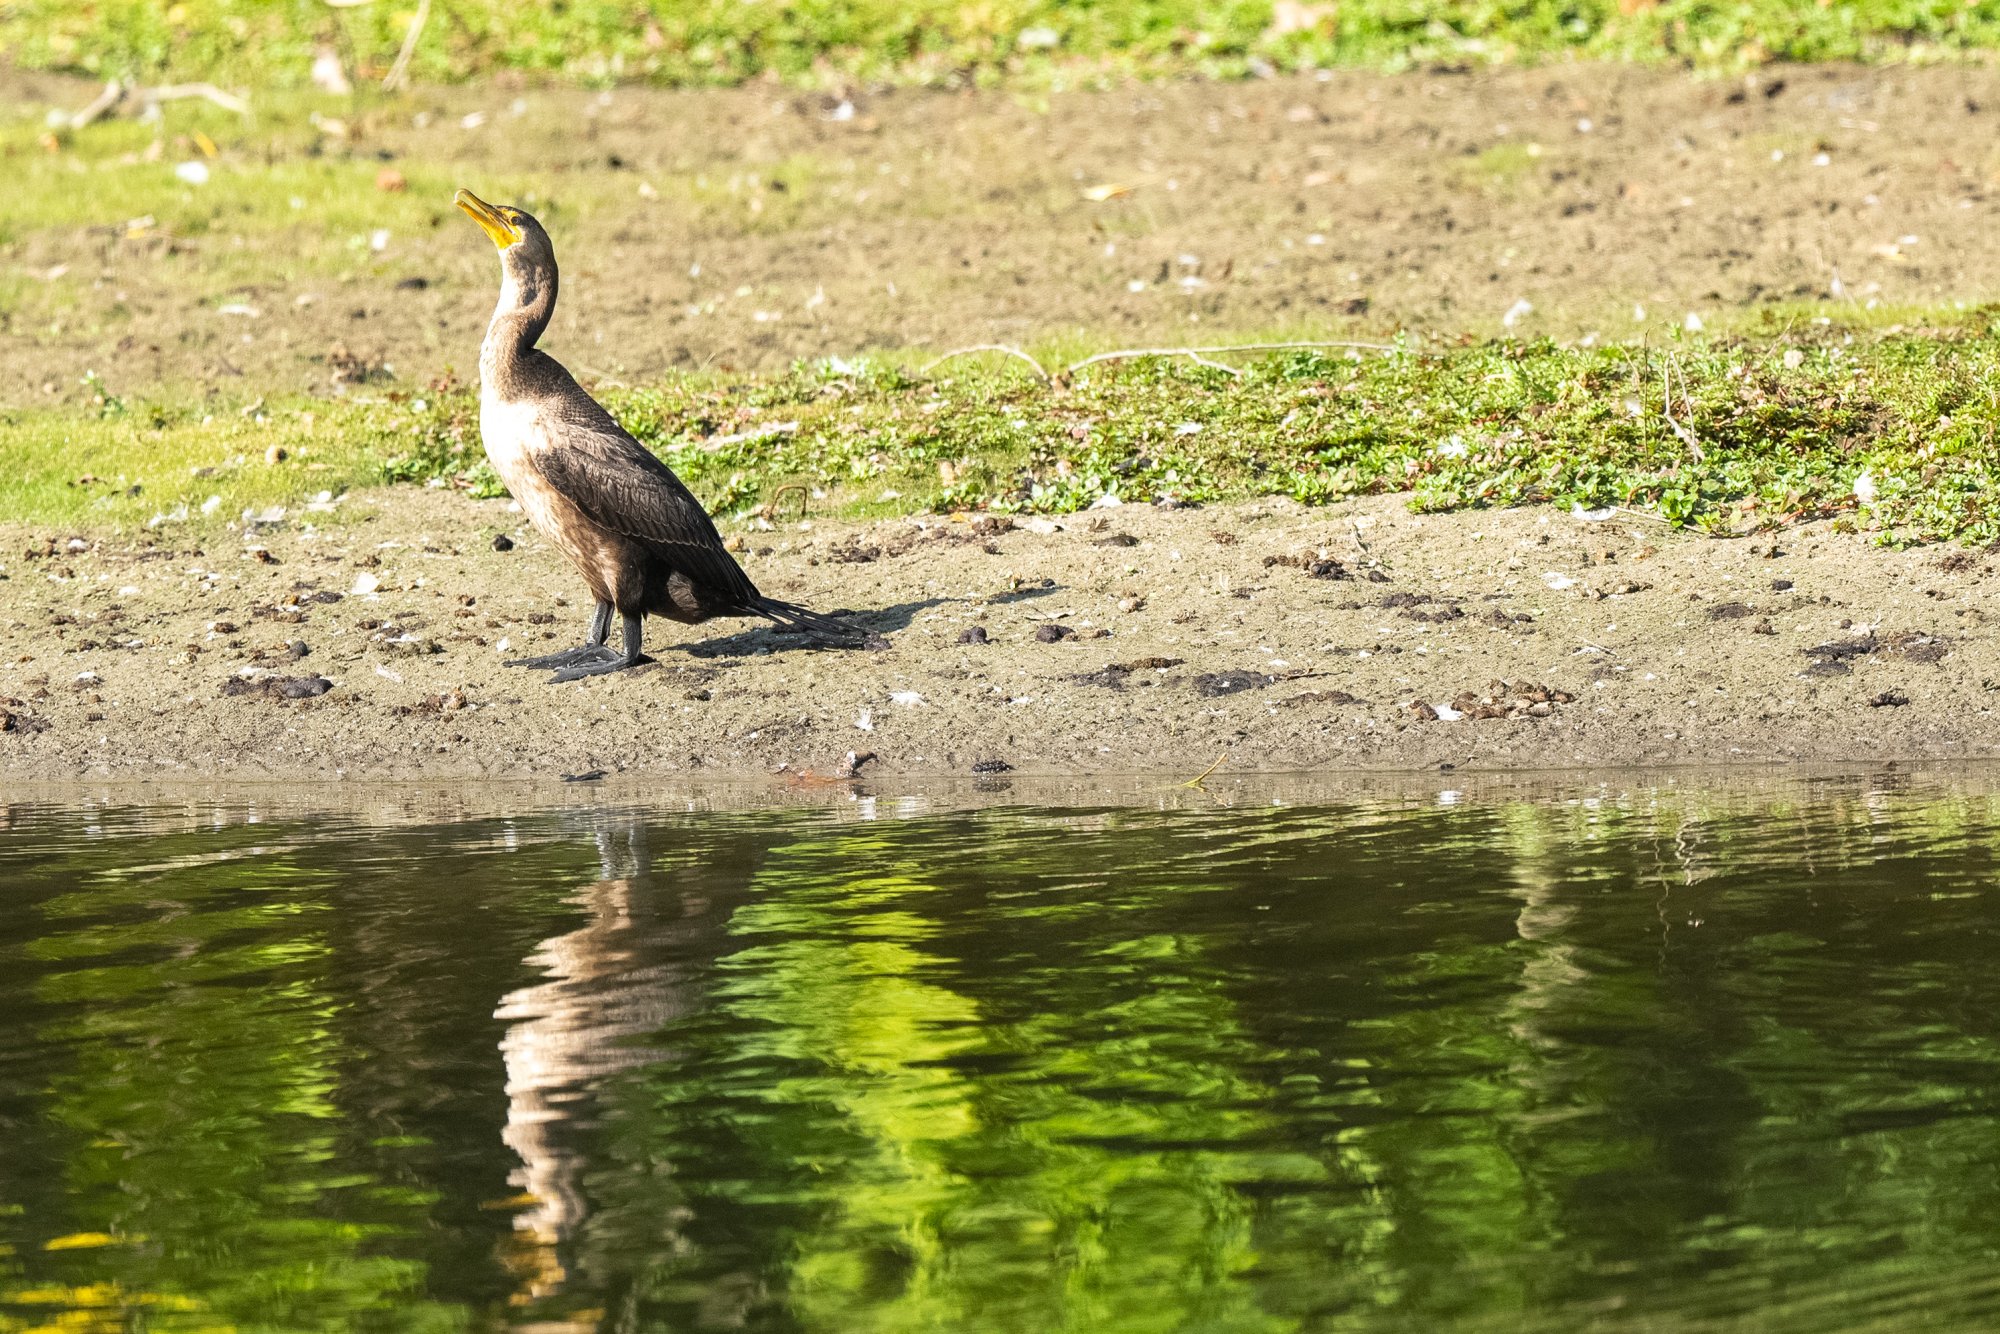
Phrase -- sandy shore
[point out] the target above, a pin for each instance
(1358, 637)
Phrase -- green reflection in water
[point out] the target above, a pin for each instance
(1655, 1062)
(188, 1129)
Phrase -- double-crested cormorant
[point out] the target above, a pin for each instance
(637, 535)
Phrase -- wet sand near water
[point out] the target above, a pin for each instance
(1121, 641)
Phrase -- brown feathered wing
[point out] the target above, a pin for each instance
(619, 484)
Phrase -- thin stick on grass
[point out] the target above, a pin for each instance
(769, 509)
(399, 72)
(116, 94)
(1201, 354)
(207, 92)
(1193, 354)
(113, 94)
(986, 347)
(1682, 433)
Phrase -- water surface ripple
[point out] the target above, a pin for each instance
(1643, 1061)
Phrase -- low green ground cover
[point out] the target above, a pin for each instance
(702, 42)
(1894, 430)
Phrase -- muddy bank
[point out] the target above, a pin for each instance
(1120, 641)
(750, 227)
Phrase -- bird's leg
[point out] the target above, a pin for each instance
(594, 650)
(632, 657)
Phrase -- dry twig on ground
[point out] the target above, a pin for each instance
(1202, 354)
(985, 347)
(117, 93)
(399, 73)
(1684, 434)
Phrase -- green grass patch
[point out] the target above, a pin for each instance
(130, 464)
(706, 42)
(1895, 431)
(279, 201)
(1504, 165)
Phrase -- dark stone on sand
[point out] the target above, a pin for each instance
(973, 634)
(1052, 633)
(1315, 567)
(1889, 699)
(1839, 650)
(277, 687)
(1329, 697)
(588, 776)
(22, 723)
(1913, 646)
(502, 542)
(1210, 685)
(991, 767)
(1730, 611)
(1117, 540)
(1448, 612)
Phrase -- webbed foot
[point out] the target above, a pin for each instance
(568, 657)
(614, 662)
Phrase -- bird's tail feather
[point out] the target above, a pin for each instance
(794, 617)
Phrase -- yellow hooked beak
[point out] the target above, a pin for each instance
(490, 219)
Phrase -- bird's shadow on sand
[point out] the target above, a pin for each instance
(1041, 590)
(870, 626)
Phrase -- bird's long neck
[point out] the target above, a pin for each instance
(527, 303)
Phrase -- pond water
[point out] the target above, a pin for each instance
(1613, 1058)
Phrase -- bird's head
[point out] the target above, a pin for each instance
(527, 258)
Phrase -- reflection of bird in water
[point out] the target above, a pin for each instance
(615, 980)
(637, 535)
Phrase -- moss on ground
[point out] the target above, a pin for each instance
(1893, 428)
